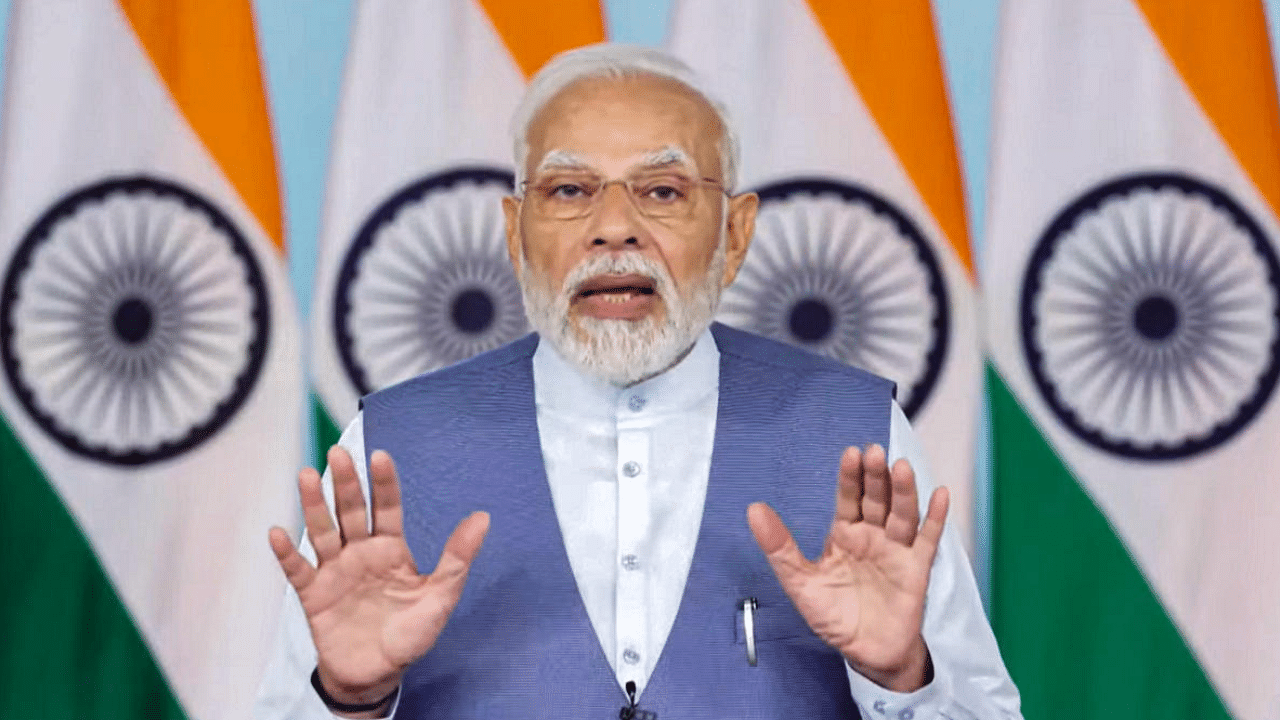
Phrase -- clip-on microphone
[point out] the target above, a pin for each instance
(631, 711)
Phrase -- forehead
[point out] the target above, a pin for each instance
(615, 122)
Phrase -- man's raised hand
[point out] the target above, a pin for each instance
(371, 612)
(865, 595)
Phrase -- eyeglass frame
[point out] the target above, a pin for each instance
(626, 183)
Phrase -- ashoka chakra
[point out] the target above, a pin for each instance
(135, 320)
(841, 271)
(1151, 316)
(427, 282)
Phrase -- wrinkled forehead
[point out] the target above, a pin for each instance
(617, 125)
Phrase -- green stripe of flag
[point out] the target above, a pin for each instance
(1082, 633)
(70, 650)
(327, 431)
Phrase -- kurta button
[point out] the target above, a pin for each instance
(636, 403)
(631, 468)
(631, 562)
(878, 706)
(906, 714)
(631, 656)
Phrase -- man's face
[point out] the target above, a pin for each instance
(627, 267)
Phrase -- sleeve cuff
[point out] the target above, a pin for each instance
(876, 702)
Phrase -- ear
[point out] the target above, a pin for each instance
(740, 225)
(511, 210)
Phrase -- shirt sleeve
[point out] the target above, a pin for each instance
(970, 681)
(286, 692)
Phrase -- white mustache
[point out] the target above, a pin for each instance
(618, 351)
(624, 263)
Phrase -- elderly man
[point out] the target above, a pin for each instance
(618, 463)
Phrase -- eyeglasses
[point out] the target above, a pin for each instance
(573, 195)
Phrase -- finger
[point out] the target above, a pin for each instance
(875, 482)
(348, 497)
(904, 505)
(934, 521)
(320, 528)
(296, 568)
(849, 487)
(460, 550)
(384, 486)
(777, 544)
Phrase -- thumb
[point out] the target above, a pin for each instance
(461, 548)
(776, 543)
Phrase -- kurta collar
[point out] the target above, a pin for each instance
(561, 387)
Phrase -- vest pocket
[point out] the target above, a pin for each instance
(773, 621)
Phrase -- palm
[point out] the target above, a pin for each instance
(865, 594)
(370, 610)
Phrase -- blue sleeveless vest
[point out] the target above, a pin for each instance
(520, 644)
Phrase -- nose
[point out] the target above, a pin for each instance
(615, 221)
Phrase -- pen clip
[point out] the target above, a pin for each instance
(749, 606)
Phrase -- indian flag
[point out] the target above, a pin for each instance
(152, 391)
(1133, 296)
(861, 250)
(412, 271)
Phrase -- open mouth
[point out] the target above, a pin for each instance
(618, 297)
(617, 289)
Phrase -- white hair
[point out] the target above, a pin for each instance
(607, 60)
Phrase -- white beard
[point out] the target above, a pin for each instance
(622, 352)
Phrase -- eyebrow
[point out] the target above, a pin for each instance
(562, 159)
(664, 156)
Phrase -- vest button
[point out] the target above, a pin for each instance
(631, 656)
(631, 562)
(631, 468)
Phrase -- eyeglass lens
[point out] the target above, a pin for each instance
(575, 195)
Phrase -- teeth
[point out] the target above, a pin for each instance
(617, 298)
